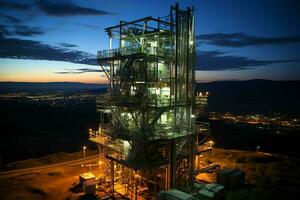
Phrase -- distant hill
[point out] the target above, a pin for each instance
(253, 96)
(32, 87)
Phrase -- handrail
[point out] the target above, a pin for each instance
(110, 53)
(202, 127)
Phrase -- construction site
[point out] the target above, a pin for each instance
(151, 138)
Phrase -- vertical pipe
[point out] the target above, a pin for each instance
(110, 40)
(193, 57)
(112, 166)
(145, 90)
(171, 55)
(191, 159)
(135, 186)
(172, 164)
(176, 61)
(192, 21)
(187, 53)
(167, 178)
(111, 76)
(157, 83)
(120, 35)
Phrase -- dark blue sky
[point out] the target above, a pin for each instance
(43, 40)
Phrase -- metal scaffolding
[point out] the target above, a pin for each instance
(148, 132)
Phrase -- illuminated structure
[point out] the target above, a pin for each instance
(148, 135)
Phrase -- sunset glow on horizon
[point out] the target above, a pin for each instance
(42, 44)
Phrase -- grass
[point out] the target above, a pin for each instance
(267, 176)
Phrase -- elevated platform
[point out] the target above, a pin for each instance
(105, 136)
(209, 168)
(133, 52)
(202, 128)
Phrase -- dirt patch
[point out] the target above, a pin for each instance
(36, 191)
(57, 172)
(26, 176)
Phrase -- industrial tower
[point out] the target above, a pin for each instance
(148, 135)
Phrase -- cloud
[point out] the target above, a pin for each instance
(13, 5)
(28, 49)
(88, 26)
(28, 31)
(79, 71)
(217, 60)
(68, 45)
(243, 40)
(67, 8)
(4, 31)
(18, 30)
(11, 19)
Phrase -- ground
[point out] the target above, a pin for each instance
(47, 182)
(267, 176)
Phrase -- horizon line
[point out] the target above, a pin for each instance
(237, 80)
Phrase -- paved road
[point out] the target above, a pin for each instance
(5, 174)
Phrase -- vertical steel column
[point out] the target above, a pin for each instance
(112, 166)
(167, 175)
(176, 60)
(171, 55)
(187, 52)
(135, 186)
(172, 163)
(193, 57)
(120, 35)
(112, 79)
(110, 39)
(191, 158)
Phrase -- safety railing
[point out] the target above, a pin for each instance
(111, 53)
(169, 132)
(102, 137)
(202, 127)
(159, 102)
(201, 100)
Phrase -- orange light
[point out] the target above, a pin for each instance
(211, 143)
(137, 176)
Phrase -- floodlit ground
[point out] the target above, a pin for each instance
(46, 182)
(49, 159)
(268, 177)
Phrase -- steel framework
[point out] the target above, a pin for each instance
(148, 132)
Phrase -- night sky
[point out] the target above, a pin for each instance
(44, 41)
